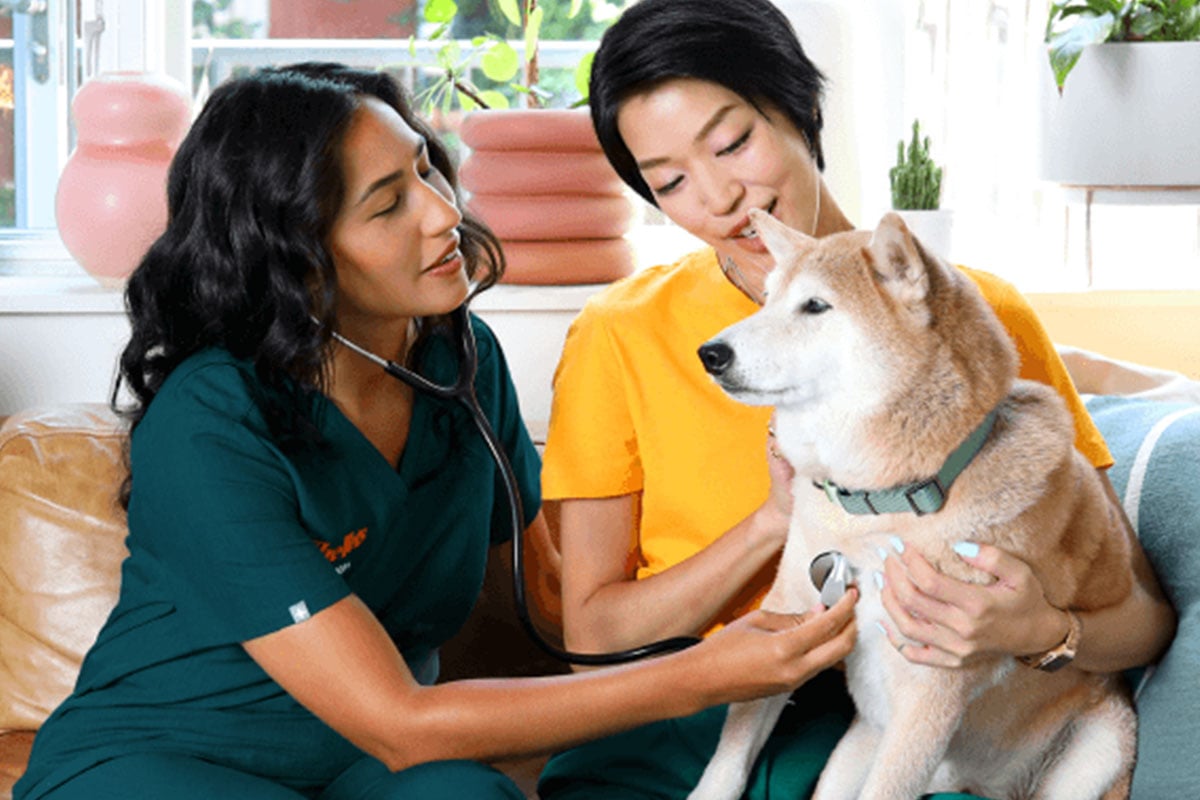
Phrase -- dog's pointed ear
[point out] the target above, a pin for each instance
(898, 261)
(782, 242)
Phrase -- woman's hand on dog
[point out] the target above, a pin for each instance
(766, 653)
(778, 505)
(942, 621)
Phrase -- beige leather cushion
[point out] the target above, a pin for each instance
(62, 540)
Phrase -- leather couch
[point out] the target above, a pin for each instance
(62, 541)
(62, 538)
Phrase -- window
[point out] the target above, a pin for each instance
(38, 75)
(31, 105)
(203, 42)
(973, 72)
(232, 36)
(967, 70)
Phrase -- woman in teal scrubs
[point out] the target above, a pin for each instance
(305, 531)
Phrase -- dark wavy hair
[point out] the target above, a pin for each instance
(747, 46)
(243, 265)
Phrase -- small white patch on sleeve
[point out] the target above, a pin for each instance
(299, 611)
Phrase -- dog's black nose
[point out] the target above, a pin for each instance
(716, 357)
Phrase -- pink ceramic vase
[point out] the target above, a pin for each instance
(111, 202)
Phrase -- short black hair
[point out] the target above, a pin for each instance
(747, 46)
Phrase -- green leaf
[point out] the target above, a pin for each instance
(511, 11)
(576, 5)
(466, 102)
(1066, 47)
(583, 74)
(533, 29)
(448, 56)
(440, 10)
(494, 99)
(1146, 23)
(500, 62)
(1102, 7)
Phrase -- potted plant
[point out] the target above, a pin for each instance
(916, 182)
(537, 174)
(1130, 115)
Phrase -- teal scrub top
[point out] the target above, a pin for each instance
(232, 537)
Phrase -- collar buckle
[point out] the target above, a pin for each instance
(926, 497)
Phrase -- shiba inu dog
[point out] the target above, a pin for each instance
(888, 372)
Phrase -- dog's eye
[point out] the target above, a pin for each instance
(814, 305)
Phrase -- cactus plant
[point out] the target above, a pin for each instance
(917, 180)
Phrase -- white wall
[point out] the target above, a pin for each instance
(860, 46)
(61, 345)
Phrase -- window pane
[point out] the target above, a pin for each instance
(32, 115)
(233, 36)
(8, 190)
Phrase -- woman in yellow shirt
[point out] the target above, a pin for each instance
(672, 512)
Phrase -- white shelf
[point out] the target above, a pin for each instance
(1132, 195)
(21, 294)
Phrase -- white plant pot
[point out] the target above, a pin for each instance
(1129, 115)
(935, 229)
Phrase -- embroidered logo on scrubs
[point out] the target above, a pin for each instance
(299, 611)
(337, 552)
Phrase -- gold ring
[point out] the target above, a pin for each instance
(798, 618)
(900, 647)
(771, 431)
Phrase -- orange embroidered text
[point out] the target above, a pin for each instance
(350, 542)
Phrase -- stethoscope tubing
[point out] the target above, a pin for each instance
(462, 391)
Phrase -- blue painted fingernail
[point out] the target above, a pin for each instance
(967, 549)
(897, 544)
(882, 629)
(883, 553)
(878, 577)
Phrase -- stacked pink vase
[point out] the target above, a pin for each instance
(111, 199)
(540, 181)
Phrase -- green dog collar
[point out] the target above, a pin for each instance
(922, 497)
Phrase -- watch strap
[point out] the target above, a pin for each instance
(1061, 654)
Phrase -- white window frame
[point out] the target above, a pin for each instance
(138, 35)
(156, 35)
(39, 100)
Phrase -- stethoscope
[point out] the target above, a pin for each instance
(463, 392)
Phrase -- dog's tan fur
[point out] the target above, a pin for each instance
(873, 392)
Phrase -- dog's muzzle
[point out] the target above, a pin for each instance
(716, 357)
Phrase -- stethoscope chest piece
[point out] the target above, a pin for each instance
(832, 574)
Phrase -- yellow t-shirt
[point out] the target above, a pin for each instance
(635, 413)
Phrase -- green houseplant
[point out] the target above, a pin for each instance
(1128, 122)
(916, 182)
(1075, 24)
(497, 58)
(916, 179)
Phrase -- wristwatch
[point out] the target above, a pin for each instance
(1061, 654)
